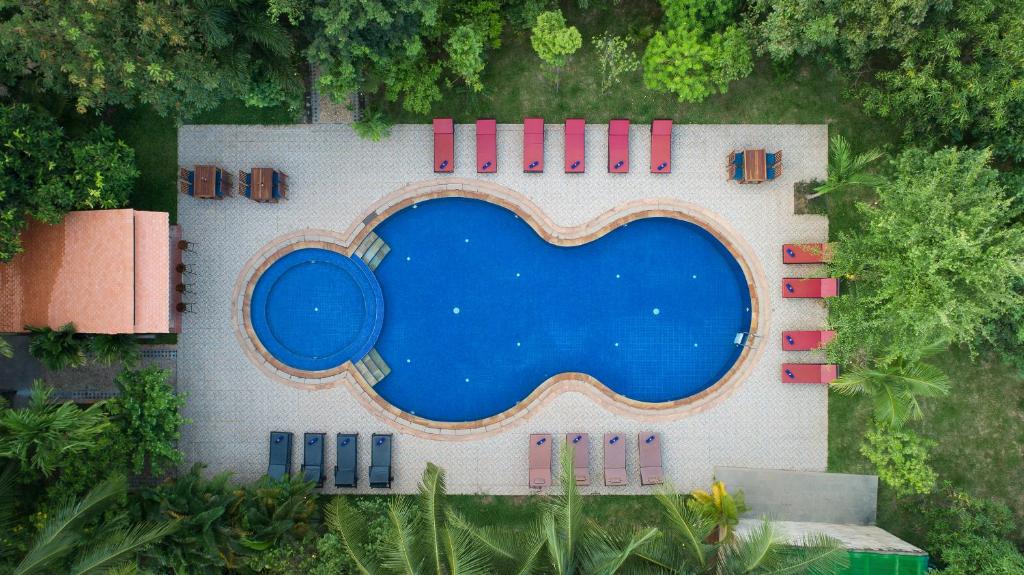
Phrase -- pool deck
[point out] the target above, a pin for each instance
(337, 179)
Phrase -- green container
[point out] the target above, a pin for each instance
(868, 563)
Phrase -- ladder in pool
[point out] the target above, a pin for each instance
(372, 367)
(372, 250)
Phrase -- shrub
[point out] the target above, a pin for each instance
(57, 349)
(373, 126)
(111, 349)
(614, 57)
(969, 535)
(901, 458)
(147, 416)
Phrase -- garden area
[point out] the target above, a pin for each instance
(925, 197)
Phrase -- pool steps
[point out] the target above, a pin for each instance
(372, 250)
(372, 367)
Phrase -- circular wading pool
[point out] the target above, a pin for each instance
(314, 309)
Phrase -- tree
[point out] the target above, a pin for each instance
(57, 349)
(178, 57)
(43, 434)
(937, 259)
(553, 41)
(894, 387)
(614, 57)
(106, 547)
(422, 536)
(970, 536)
(700, 51)
(901, 458)
(465, 49)
(846, 170)
(721, 507)
(147, 415)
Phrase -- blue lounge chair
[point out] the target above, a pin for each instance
(280, 454)
(313, 458)
(217, 185)
(345, 470)
(380, 461)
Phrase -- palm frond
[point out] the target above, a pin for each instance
(530, 558)
(566, 512)
(120, 547)
(465, 556)
(612, 554)
(755, 551)
(431, 504)
(852, 382)
(689, 527)
(814, 555)
(5, 349)
(398, 553)
(350, 526)
(7, 497)
(923, 379)
(503, 544)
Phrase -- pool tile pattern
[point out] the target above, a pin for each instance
(335, 179)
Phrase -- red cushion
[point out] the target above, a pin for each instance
(809, 373)
(661, 147)
(533, 145)
(618, 146)
(575, 146)
(486, 146)
(806, 253)
(806, 340)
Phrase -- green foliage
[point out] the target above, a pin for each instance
(294, 10)
(522, 14)
(43, 434)
(104, 456)
(117, 348)
(553, 41)
(44, 174)
(901, 458)
(968, 536)
(373, 125)
(895, 386)
(723, 508)
(5, 348)
(699, 53)
(937, 259)
(846, 170)
(465, 49)
(147, 416)
(57, 349)
(177, 57)
(615, 59)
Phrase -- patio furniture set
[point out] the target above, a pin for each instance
(649, 445)
(808, 288)
(346, 471)
(211, 182)
(754, 166)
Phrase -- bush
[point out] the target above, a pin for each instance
(969, 536)
(57, 349)
(118, 348)
(147, 416)
(373, 125)
(901, 458)
(554, 41)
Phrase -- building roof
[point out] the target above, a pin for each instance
(106, 271)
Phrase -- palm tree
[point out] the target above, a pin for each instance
(564, 541)
(63, 536)
(894, 388)
(117, 348)
(43, 434)
(721, 506)
(846, 170)
(423, 535)
(5, 349)
(57, 349)
(686, 548)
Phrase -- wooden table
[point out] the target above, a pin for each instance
(205, 184)
(754, 168)
(261, 185)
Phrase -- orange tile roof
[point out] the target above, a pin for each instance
(107, 271)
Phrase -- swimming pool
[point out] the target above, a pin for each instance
(478, 310)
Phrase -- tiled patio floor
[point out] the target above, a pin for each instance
(334, 177)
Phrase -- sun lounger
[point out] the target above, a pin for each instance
(313, 457)
(533, 145)
(540, 460)
(575, 146)
(810, 287)
(280, 454)
(806, 253)
(580, 443)
(380, 461)
(806, 340)
(444, 145)
(661, 146)
(651, 472)
(618, 146)
(486, 146)
(615, 459)
(345, 472)
(809, 372)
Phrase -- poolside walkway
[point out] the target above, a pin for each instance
(335, 178)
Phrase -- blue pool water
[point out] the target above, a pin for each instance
(481, 310)
(314, 309)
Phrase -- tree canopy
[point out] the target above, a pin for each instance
(936, 259)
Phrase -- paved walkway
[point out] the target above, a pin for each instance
(334, 177)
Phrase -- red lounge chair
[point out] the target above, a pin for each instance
(580, 443)
(651, 472)
(575, 146)
(809, 372)
(806, 253)
(540, 460)
(618, 146)
(806, 340)
(444, 145)
(615, 459)
(533, 145)
(661, 147)
(486, 146)
(810, 287)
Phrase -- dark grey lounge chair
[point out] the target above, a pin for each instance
(345, 470)
(280, 454)
(380, 461)
(313, 457)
